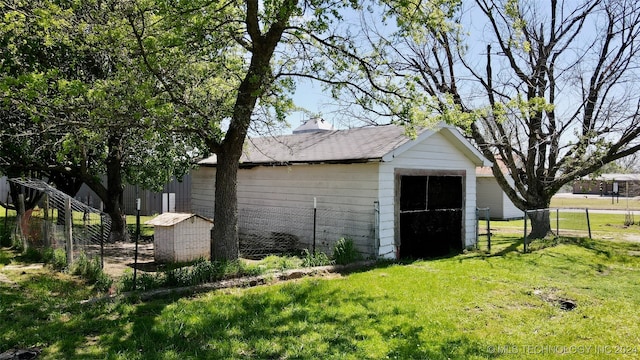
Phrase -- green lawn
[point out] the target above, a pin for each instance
(471, 306)
(591, 202)
(603, 226)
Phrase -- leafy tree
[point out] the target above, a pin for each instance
(549, 88)
(235, 62)
(75, 105)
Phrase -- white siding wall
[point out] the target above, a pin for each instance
(336, 186)
(185, 241)
(192, 240)
(203, 183)
(434, 153)
(279, 199)
(509, 210)
(490, 195)
(163, 247)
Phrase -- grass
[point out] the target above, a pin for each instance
(602, 225)
(597, 202)
(470, 306)
(145, 230)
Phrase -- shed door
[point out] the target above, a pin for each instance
(430, 216)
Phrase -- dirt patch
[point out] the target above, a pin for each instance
(550, 296)
(21, 267)
(5, 280)
(632, 237)
(120, 256)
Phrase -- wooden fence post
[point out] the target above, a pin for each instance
(20, 218)
(68, 230)
(45, 226)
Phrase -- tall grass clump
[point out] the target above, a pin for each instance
(200, 272)
(5, 238)
(280, 262)
(57, 258)
(345, 252)
(91, 271)
(316, 259)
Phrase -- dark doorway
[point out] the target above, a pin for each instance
(430, 216)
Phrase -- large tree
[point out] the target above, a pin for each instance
(75, 106)
(547, 87)
(234, 62)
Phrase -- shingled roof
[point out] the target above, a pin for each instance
(339, 146)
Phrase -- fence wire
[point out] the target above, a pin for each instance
(44, 226)
(563, 222)
(284, 230)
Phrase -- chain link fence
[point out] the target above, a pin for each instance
(286, 230)
(562, 222)
(60, 222)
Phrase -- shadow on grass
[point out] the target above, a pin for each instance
(308, 320)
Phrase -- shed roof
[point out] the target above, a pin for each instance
(487, 171)
(375, 143)
(171, 219)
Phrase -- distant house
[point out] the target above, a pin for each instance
(608, 184)
(491, 195)
(393, 195)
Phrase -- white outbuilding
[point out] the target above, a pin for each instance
(394, 195)
(181, 237)
(491, 195)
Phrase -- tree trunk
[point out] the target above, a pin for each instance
(224, 244)
(112, 199)
(118, 226)
(69, 185)
(540, 224)
(111, 194)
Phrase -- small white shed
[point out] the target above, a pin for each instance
(181, 237)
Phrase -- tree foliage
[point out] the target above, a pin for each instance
(75, 103)
(547, 88)
(228, 66)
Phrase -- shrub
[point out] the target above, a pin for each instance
(58, 259)
(5, 257)
(345, 252)
(280, 262)
(5, 238)
(32, 255)
(91, 271)
(144, 281)
(315, 259)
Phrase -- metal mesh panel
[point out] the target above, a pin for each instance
(563, 222)
(281, 230)
(44, 226)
